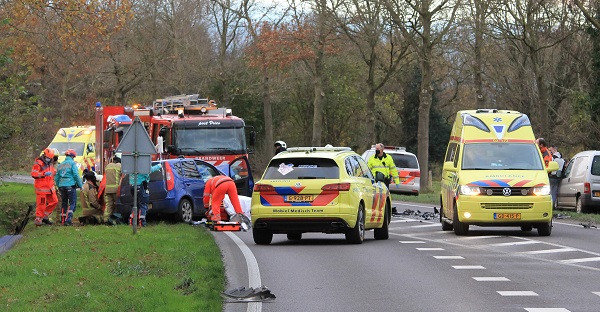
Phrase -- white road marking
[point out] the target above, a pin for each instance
(253, 271)
(580, 260)
(546, 251)
(478, 237)
(596, 293)
(424, 225)
(412, 242)
(468, 267)
(491, 279)
(547, 310)
(448, 257)
(404, 220)
(527, 242)
(517, 293)
(430, 248)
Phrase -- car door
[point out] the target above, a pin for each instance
(572, 184)
(370, 193)
(192, 182)
(239, 170)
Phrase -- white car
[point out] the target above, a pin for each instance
(409, 170)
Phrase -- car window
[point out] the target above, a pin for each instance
(349, 167)
(206, 172)
(365, 168)
(596, 165)
(356, 170)
(190, 170)
(368, 154)
(451, 152)
(569, 168)
(580, 166)
(302, 168)
(405, 161)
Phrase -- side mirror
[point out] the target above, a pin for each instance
(171, 149)
(449, 166)
(552, 166)
(162, 131)
(252, 138)
(379, 177)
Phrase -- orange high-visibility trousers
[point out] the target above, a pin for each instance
(217, 196)
(45, 204)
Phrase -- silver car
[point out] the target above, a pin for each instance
(408, 169)
(579, 188)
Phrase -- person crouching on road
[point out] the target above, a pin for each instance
(68, 181)
(43, 173)
(143, 195)
(214, 193)
(92, 208)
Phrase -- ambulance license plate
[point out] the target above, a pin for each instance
(512, 216)
(298, 198)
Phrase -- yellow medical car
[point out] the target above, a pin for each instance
(494, 174)
(319, 189)
(81, 139)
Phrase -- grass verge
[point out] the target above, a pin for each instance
(164, 267)
(14, 201)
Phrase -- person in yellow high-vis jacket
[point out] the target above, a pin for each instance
(384, 163)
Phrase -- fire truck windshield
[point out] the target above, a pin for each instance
(207, 141)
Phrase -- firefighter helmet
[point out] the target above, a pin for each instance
(48, 152)
(281, 143)
(71, 152)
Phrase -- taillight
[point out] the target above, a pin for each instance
(336, 187)
(586, 188)
(263, 188)
(415, 174)
(169, 176)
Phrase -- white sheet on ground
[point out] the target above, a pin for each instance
(245, 202)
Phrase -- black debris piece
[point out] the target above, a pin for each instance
(587, 225)
(21, 226)
(245, 294)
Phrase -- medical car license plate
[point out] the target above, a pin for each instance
(513, 216)
(298, 198)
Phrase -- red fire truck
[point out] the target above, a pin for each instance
(183, 126)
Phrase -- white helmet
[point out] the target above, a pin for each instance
(281, 143)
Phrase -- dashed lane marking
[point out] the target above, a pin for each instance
(448, 257)
(546, 251)
(468, 267)
(510, 293)
(430, 248)
(424, 225)
(491, 279)
(527, 242)
(412, 242)
(580, 260)
(547, 310)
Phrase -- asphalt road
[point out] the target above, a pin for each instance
(421, 268)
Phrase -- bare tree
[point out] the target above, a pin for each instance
(381, 47)
(424, 22)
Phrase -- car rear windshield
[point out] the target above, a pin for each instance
(405, 161)
(302, 168)
(596, 166)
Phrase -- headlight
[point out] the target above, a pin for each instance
(469, 190)
(541, 190)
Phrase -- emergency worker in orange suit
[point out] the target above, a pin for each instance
(43, 172)
(214, 193)
(545, 152)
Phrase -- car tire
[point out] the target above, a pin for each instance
(185, 211)
(545, 229)
(262, 236)
(459, 227)
(445, 225)
(526, 228)
(579, 205)
(356, 235)
(384, 232)
(294, 236)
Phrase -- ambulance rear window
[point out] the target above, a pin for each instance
(302, 168)
(405, 161)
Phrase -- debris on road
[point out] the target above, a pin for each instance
(418, 214)
(588, 225)
(243, 294)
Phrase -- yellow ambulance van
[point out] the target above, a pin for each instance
(494, 174)
(81, 139)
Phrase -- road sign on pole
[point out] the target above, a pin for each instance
(136, 149)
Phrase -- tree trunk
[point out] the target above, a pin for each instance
(267, 112)
(425, 99)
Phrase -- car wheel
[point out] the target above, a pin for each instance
(526, 228)
(579, 205)
(383, 232)
(545, 229)
(356, 235)
(294, 236)
(184, 212)
(445, 225)
(261, 236)
(459, 227)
